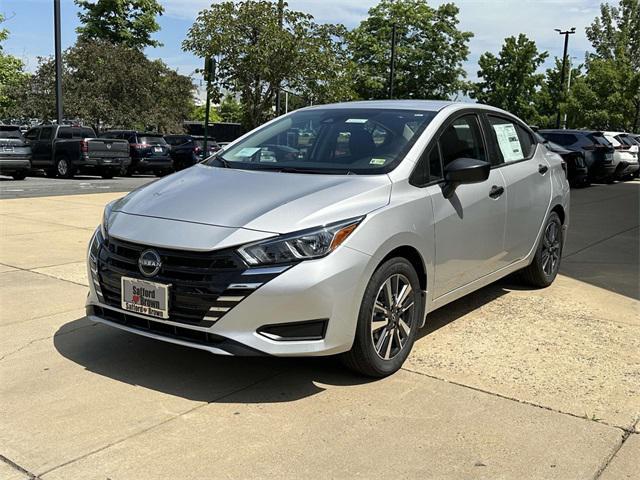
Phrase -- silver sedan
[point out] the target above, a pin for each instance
(334, 229)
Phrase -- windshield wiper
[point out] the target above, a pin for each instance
(223, 163)
(316, 171)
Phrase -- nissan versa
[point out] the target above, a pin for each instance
(332, 230)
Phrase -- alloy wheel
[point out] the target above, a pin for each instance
(551, 247)
(63, 168)
(393, 316)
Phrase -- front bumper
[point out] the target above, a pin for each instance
(628, 169)
(328, 289)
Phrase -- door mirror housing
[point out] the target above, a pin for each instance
(464, 171)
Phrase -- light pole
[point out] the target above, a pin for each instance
(58, 53)
(564, 121)
(392, 67)
(566, 34)
(209, 72)
(280, 23)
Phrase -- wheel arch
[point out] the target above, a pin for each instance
(559, 209)
(412, 255)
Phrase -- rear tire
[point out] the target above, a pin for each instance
(387, 327)
(19, 175)
(546, 263)
(107, 174)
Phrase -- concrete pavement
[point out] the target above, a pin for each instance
(507, 383)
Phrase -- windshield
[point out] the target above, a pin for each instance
(10, 133)
(330, 140)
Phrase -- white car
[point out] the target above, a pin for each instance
(625, 156)
(338, 242)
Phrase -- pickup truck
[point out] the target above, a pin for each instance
(65, 150)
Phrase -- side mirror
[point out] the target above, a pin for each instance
(464, 171)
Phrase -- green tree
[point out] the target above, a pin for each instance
(230, 109)
(109, 85)
(614, 68)
(128, 22)
(172, 98)
(549, 97)
(198, 114)
(430, 50)
(509, 80)
(12, 77)
(256, 55)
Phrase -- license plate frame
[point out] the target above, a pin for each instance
(145, 297)
(157, 149)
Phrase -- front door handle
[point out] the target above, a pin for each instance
(542, 169)
(496, 191)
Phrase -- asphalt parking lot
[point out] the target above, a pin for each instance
(507, 383)
(38, 185)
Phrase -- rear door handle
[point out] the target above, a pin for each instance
(542, 169)
(496, 191)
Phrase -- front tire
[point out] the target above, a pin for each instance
(544, 268)
(388, 320)
(19, 175)
(64, 168)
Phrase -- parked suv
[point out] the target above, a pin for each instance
(627, 152)
(338, 245)
(577, 171)
(67, 150)
(596, 149)
(149, 152)
(15, 153)
(187, 150)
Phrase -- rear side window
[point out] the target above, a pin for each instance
(75, 132)
(32, 134)
(515, 143)
(174, 141)
(599, 139)
(462, 139)
(561, 138)
(46, 133)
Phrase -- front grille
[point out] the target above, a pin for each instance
(204, 285)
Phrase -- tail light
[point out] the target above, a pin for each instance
(196, 150)
(139, 145)
(84, 146)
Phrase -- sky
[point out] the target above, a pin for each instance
(30, 23)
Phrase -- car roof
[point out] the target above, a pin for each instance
(422, 105)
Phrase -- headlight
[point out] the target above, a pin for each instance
(106, 215)
(305, 245)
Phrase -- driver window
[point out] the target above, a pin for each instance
(462, 139)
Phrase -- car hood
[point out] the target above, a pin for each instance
(270, 202)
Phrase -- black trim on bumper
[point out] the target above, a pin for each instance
(197, 337)
(295, 331)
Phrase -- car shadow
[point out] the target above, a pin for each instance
(451, 312)
(191, 373)
(198, 375)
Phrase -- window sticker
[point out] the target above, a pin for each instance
(247, 152)
(356, 120)
(508, 142)
(377, 161)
